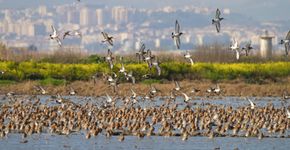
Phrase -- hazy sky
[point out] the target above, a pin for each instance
(257, 9)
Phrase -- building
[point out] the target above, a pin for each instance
(84, 16)
(266, 45)
(120, 15)
(99, 17)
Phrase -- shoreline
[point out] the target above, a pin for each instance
(88, 88)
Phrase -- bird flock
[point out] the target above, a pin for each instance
(125, 115)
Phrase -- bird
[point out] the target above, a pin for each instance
(186, 98)
(110, 58)
(177, 86)
(107, 38)
(176, 34)
(235, 47)
(130, 76)
(194, 90)
(55, 36)
(187, 55)
(40, 89)
(156, 63)
(217, 89)
(288, 113)
(286, 43)
(122, 69)
(247, 48)
(134, 95)
(72, 33)
(251, 103)
(108, 98)
(72, 91)
(2, 72)
(285, 95)
(216, 21)
(140, 54)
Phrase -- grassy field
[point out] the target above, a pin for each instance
(60, 73)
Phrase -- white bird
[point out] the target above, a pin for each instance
(55, 36)
(108, 98)
(134, 95)
(288, 113)
(217, 89)
(235, 47)
(176, 34)
(286, 43)
(188, 56)
(122, 69)
(177, 86)
(130, 76)
(72, 91)
(216, 21)
(186, 98)
(156, 64)
(110, 58)
(251, 103)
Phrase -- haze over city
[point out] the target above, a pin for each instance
(24, 22)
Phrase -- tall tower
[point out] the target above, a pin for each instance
(99, 16)
(266, 45)
(84, 17)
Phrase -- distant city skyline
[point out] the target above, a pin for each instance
(256, 9)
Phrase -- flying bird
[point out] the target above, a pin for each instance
(55, 36)
(188, 56)
(235, 47)
(286, 43)
(247, 48)
(72, 33)
(216, 21)
(107, 38)
(176, 34)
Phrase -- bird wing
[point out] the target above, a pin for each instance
(158, 70)
(58, 41)
(111, 42)
(237, 54)
(105, 35)
(218, 26)
(191, 61)
(288, 36)
(142, 48)
(133, 79)
(111, 64)
(177, 84)
(177, 42)
(252, 104)
(177, 27)
(53, 29)
(217, 13)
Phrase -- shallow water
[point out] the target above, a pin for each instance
(78, 141)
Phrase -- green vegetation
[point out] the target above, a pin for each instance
(56, 74)
(51, 81)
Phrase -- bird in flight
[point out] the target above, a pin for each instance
(286, 43)
(176, 34)
(247, 48)
(55, 36)
(216, 21)
(107, 38)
